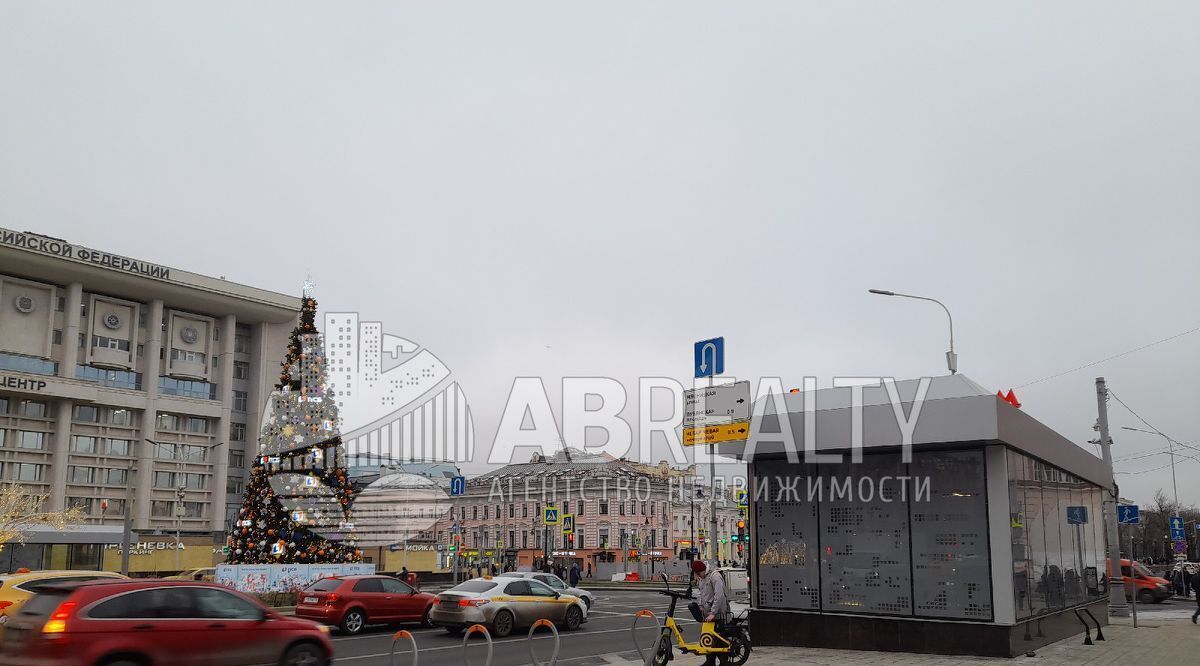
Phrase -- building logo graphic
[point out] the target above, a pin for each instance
(396, 399)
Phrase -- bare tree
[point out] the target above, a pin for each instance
(21, 509)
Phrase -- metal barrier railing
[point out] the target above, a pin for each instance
(477, 629)
(658, 634)
(533, 657)
(396, 637)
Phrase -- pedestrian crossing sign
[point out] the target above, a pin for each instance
(550, 515)
(568, 523)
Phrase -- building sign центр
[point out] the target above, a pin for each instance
(21, 383)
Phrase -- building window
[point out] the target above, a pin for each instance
(114, 477)
(237, 431)
(524, 510)
(187, 388)
(102, 342)
(241, 370)
(164, 479)
(120, 417)
(3, 405)
(32, 409)
(237, 459)
(84, 504)
(31, 440)
(233, 487)
(83, 444)
(241, 400)
(116, 507)
(485, 512)
(56, 337)
(241, 343)
(111, 378)
(511, 514)
(475, 513)
(29, 472)
(603, 507)
(193, 509)
(162, 508)
(197, 424)
(77, 474)
(579, 511)
(167, 421)
(117, 447)
(189, 356)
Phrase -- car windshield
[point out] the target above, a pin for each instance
(325, 585)
(42, 604)
(474, 586)
(1142, 571)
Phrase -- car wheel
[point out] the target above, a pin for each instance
(304, 654)
(502, 624)
(574, 618)
(353, 622)
(454, 631)
(1146, 597)
(425, 621)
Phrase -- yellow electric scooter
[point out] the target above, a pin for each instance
(731, 644)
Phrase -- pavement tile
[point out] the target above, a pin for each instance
(1157, 642)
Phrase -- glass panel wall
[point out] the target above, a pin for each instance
(1057, 537)
(866, 564)
(951, 572)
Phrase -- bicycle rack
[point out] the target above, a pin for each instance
(529, 639)
(480, 629)
(1099, 633)
(657, 636)
(1087, 629)
(396, 637)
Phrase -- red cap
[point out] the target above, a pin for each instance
(698, 566)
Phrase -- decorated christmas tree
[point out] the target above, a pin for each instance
(297, 504)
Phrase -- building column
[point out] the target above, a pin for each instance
(151, 369)
(60, 446)
(70, 329)
(221, 449)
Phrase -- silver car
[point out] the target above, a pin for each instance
(557, 585)
(504, 603)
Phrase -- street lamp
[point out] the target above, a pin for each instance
(951, 357)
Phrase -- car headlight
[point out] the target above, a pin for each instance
(322, 628)
(1161, 586)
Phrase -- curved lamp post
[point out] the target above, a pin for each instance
(951, 357)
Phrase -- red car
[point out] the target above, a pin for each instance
(350, 602)
(157, 622)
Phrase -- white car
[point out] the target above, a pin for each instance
(557, 585)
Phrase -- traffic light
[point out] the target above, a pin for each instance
(741, 536)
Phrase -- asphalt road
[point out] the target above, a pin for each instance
(607, 631)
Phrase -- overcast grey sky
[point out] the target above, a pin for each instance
(549, 188)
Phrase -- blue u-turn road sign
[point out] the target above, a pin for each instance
(710, 357)
(1127, 514)
(458, 485)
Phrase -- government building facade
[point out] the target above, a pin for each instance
(122, 380)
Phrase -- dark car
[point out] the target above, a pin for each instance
(352, 602)
(140, 622)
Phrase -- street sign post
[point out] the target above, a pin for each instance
(458, 485)
(568, 523)
(710, 357)
(1077, 515)
(550, 515)
(1127, 514)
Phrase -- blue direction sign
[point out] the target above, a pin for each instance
(1177, 532)
(1077, 515)
(710, 357)
(458, 485)
(1127, 514)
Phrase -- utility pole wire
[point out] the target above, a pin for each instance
(1110, 358)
